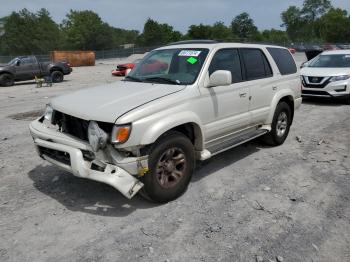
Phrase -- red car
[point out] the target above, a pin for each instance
(154, 67)
(124, 69)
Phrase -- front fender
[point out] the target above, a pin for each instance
(148, 133)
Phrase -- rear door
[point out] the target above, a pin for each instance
(262, 86)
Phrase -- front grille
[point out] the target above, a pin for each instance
(59, 156)
(313, 92)
(315, 82)
(77, 127)
(315, 79)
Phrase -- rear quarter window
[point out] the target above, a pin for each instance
(283, 60)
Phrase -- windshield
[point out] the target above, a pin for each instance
(179, 66)
(333, 61)
(13, 61)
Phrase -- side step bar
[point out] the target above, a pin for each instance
(227, 144)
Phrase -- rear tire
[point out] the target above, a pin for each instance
(171, 163)
(7, 80)
(57, 76)
(281, 123)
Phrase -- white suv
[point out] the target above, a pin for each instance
(183, 102)
(327, 75)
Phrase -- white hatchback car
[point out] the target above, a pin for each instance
(327, 75)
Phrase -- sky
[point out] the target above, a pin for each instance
(132, 14)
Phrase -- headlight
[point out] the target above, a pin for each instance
(120, 134)
(48, 113)
(339, 78)
(97, 137)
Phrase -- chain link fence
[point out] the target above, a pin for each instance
(100, 54)
(125, 52)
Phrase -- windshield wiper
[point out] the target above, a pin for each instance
(163, 79)
(133, 78)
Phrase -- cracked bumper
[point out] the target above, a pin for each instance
(71, 159)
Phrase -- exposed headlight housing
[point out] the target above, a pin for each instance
(339, 78)
(97, 137)
(120, 134)
(48, 113)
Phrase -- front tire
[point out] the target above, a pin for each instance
(171, 164)
(7, 80)
(281, 123)
(57, 76)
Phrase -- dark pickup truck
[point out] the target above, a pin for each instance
(28, 67)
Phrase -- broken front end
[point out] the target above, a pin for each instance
(87, 149)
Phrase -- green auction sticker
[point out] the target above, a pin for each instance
(192, 60)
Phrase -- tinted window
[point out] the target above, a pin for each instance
(256, 64)
(26, 61)
(170, 66)
(334, 61)
(227, 59)
(284, 60)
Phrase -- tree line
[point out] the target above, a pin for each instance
(25, 32)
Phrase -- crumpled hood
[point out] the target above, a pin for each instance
(321, 71)
(106, 103)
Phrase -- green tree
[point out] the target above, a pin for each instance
(219, 31)
(84, 30)
(294, 22)
(29, 33)
(122, 36)
(243, 27)
(313, 9)
(199, 32)
(155, 33)
(275, 36)
(334, 26)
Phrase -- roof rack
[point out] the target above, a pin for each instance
(188, 42)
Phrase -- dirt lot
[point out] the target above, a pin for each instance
(290, 201)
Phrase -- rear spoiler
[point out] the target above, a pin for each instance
(310, 54)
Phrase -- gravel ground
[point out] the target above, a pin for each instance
(249, 203)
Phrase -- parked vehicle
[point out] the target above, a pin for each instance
(28, 67)
(145, 133)
(327, 75)
(330, 47)
(124, 69)
(151, 67)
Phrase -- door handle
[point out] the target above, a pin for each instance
(243, 94)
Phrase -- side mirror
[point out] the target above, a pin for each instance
(18, 62)
(220, 78)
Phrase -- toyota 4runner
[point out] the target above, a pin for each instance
(145, 133)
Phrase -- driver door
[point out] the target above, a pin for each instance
(24, 69)
(227, 107)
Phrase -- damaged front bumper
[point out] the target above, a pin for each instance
(69, 153)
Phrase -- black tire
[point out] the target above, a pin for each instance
(7, 80)
(276, 137)
(57, 76)
(167, 154)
